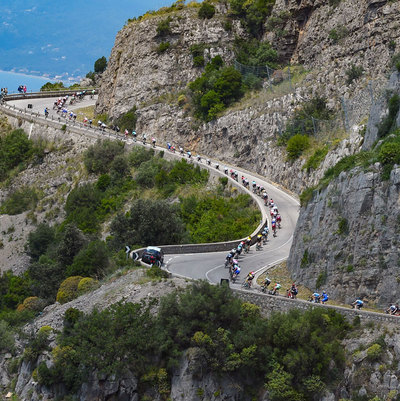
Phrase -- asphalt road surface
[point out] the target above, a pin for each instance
(210, 266)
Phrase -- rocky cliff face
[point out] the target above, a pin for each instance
(347, 238)
(324, 38)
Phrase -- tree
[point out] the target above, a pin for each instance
(91, 261)
(71, 242)
(46, 276)
(39, 240)
(100, 65)
(206, 10)
(149, 222)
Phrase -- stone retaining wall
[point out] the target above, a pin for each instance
(272, 303)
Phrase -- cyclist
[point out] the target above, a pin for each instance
(265, 235)
(236, 175)
(324, 297)
(265, 197)
(258, 243)
(144, 137)
(316, 297)
(226, 170)
(235, 272)
(276, 288)
(46, 112)
(126, 134)
(217, 166)
(248, 244)
(154, 142)
(199, 158)
(249, 279)
(208, 162)
(278, 220)
(273, 226)
(189, 154)
(294, 291)
(168, 146)
(246, 183)
(254, 185)
(358, 304)
(181, 150)
(134, 135)
(265, 284)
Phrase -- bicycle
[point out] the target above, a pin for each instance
(258, 246)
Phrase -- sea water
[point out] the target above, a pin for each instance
(12, 80)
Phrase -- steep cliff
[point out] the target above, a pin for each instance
(347, 236)
(327, 38)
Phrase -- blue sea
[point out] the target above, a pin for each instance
(12, 80)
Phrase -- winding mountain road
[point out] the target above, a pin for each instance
(210, 266)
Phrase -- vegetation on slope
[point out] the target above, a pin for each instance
(166, 203)
(294, 355)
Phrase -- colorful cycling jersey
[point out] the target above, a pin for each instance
(277, 286)
(359, 302)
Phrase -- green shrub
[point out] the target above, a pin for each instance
(98, 157)
(100, 65)
(321, 279)
(252, 14)
(50, 86)
(128, 120)
(388, 124)
(374, 352)
(207, 10)
(256, 53)
(87, 284)
(306, 196)
(156, 272)
(296, 145)
(31, 303)
(139, 155)
(15, 149)
(163, 46)
(68, 289)
(353, 73)
(164, 27)
(40, 240)
(252, 81)
(20, 201)
(215, 89)
(91, 261)
(389, 153)
(315, 160)
(338, 33)
(343, 226)
(148, 222)
(302, 120)
(396, 61)
(305, 260)
(81, 205)
(6, 337)
(198, 61)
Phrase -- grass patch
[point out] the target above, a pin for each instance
(280, 274)
(83, 112)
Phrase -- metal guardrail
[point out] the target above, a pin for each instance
(44, 94)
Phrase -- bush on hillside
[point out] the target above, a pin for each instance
(206, 10)
(40, 240)
(129, 119)
(296, 145)
(252, 14)
(15, 148)
(215, 89)
(98, 157)
(100, 65)
(149, 222)
(46, 276)
(68, 289)
(87, 284)
(20, 201)
(81, 205)
(91, 261)
(256, 53)
(163, 47)
(353, 73)
(164, 27)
